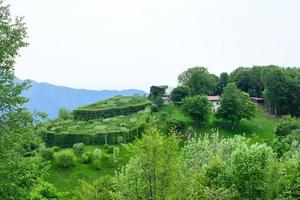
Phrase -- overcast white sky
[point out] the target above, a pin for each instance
(118, 44)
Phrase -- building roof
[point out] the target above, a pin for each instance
(213, 98)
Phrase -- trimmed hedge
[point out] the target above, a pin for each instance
(85, 114)
(68, 140)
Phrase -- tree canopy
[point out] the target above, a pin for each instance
(235, 105)
(199, 80)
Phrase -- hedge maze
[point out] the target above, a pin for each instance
(112, 107)
(113, 121)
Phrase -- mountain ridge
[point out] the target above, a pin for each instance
(48, 98)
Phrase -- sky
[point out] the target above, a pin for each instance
(121, 44)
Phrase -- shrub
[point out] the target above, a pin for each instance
(176, 124)
(179, 93)
(120, 139)
(55, 149)
(47, 153)
(97, 164)
(66, 159)
(154, 108)
(29, 154)
(44, 190)
(197, 107)
(97, 154)
(78, 149)
(115, 156)
(110, 149)
(286, 126)
(164, 116)
(87, 157)
(64, 114)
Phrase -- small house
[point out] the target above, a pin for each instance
(215, 100)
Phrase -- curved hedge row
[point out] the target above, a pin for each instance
(84, 114)
(67, 140)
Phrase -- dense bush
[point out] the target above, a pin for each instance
(198, 107)
(78, 148)
(154, 108)
(164, 115)
(87, 157)
(176, 124)
(66, 159)
(47, 153)
(97, 154)
(55, 149)
(179, 93)
(64, 114)
(286, 126)
(68, 139)
(43, 191)
(96, 164)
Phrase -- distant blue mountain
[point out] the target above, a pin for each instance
(49, 98)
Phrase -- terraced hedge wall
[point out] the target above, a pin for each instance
(85, 114)
(67, 140)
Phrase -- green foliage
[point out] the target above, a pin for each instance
(286, 126)
(199, 80)
(105, 131)
(47, 153)
(97, 190)
(87, 157)
(18, 174)
(164, 116)
(235, 105)
(224, 78)
(97, 154)
(157, 91)
(176, 124)
(43, 191)
(154, 108)
(78, 148)
(179, 93)
(233, 168)
(198, 107)
(118, 105)
(66, 159)
(55, 149)
(64, 114)
(282, 91)
(96, 164)
(151, 171)
(115, 157)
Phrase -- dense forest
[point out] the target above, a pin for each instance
(165, 146)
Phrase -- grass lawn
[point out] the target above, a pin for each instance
(66, 180)
(261, 128)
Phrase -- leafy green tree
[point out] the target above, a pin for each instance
(100, 189)
(235, 105)
(221, 83)
(282, 91)
(18, 174)
(153, 169)
(199, 80)
(198, 107)
(64, 114)
(286, 126)
(179, 93)
(44, 190)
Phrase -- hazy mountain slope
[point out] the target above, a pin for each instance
(49, 98)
